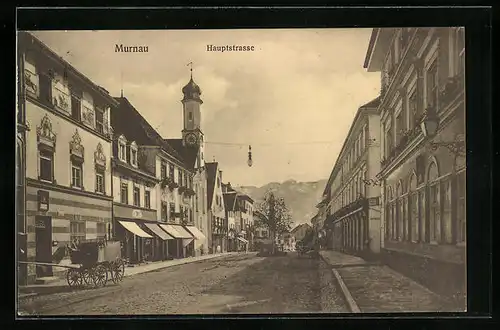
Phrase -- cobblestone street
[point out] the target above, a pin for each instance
(241, 283)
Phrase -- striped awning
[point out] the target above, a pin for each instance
(196, 232)
(158, 231)
(171, 230)
(183, 232)
(134, 229)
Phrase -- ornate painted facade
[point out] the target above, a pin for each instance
(68, 173)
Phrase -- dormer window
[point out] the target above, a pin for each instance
(122, 148)
(133, 154)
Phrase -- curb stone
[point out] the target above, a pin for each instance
(351, 303)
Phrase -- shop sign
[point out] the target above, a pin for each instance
(43, 200)
(39, 223)
(137, 214)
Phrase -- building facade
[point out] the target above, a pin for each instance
(159, 177)
(134, 203)
(423, 185)
(191, 147)
(239, 214)
(216, 211)
(423, 165)
(352, 194)
(300, 231)
(68, 151)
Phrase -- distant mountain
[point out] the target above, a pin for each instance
(300, 197)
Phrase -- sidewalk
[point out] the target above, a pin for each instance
(372, 288)
(61, 285)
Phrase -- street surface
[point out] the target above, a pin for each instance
(242, 283)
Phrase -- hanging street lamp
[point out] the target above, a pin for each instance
(429, 127)
(250, 162)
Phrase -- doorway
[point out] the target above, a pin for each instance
(43, 236)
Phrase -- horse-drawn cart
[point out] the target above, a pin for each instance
(96, 262)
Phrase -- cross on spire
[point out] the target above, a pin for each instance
(190, 64)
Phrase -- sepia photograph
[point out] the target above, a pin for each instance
(241, 171)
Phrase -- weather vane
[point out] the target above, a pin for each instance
(249, 162)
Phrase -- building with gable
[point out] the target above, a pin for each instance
(154, 190)
(218, 226)
(239, 213)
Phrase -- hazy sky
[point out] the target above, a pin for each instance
(298, 87)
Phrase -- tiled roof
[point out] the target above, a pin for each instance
(128, 121)
(211, 178)
(188, 154)
(229, 200)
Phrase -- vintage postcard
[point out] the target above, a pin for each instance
(239, 171)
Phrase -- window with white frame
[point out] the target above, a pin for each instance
(76, 105)
(137, 196)
(163, 170)
(124, 193)
(122, 148)
(99, 120)
(77, 230)
(99, 180)
(76, 174)
(46, 170)
(133, 154)
(147, 199)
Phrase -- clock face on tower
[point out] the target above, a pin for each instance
(191, 139)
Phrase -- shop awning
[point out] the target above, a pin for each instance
(158, 231)
(171, 230)
(196, 232)
(183, 232)
(241, 239)
(134, 229)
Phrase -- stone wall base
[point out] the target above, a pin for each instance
(445, 278)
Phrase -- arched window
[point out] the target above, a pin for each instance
(122, 148)
(413, 216)
(434, 220)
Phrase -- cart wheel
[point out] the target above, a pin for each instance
(117, 271)
(86, 277)
(99, 275)
(74, 278)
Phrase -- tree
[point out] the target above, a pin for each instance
(274, 215)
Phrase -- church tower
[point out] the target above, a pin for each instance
(192, 135)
